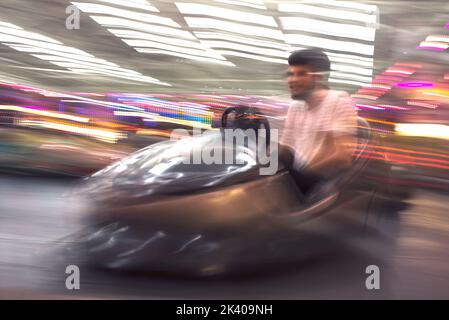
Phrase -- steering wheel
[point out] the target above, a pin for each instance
(247, 118)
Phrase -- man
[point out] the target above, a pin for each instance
(320, 129)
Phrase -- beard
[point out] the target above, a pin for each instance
(301, 96)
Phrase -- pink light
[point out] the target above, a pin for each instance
(408, 64)
(401, 71)
(381, 81)
(376, 87)
(414, 84)
(34, 107)
(238, 97)
(366, 106)
(385, 77)
(422, 104)
(430, 48)
(364, 96)
(388, 106)
(88, 94)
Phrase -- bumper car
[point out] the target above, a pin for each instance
(151, 212)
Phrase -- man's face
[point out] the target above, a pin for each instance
(301, 81)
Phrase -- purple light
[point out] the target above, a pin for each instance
(34, 107)
(416, 84)
(431, 48)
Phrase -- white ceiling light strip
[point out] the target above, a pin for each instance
(237, 39)
(237, 15)
(351, 61)
(151, 38)
(337, 74)
(251, 56)
(328, 28)
(150, 44)
(325, 12)
(51, 53)
(72, 63)
(53, 58)
(344, 46)
(56, 48)
(186, 56)
(251, 4)
(351, 82)
(245, 40)
(234, 27)
(437, 38)
(345, 4)
(352, 69)
(123, 72)
(114, 22)
(9, 39)
(131, 34)
(128, 77)
(136, 4)
(246, 48)
(10, 25)
(350, 57)
(25, 34)
(144, 17)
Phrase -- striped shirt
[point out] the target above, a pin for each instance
(307, 126)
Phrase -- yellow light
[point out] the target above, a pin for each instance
(154, 132)
(100, 134)
(157, 118)
(45, 113)
(379, 121)
(435, 92)
(194, 124)
(428, 130)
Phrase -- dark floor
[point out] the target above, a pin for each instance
(37, 216)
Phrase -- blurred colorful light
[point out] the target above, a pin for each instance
(414, 84)
(428, 130)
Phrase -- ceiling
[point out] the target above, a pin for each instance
(107, 41)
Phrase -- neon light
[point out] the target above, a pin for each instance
(414, 84)
(428, 130)
(45, 113)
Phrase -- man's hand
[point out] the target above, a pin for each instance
(336, 153)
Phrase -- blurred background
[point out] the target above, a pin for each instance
(79, 94)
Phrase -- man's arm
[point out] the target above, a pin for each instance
(340, 139)
(288, 127)
(337, 151)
